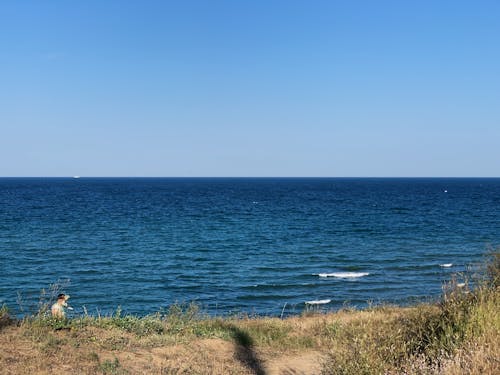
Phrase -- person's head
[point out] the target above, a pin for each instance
(62, 298)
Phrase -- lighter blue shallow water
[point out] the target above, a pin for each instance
(239, 245)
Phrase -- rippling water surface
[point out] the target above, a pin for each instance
(240, 245)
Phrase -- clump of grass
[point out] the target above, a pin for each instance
(277, 334)
(110, 367)
(5, 319)
(51, 344)
(433, 331)
(181, 318)
(363, 344)
(140, 326)
(493, 270)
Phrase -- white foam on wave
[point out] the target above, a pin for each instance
(446, 265)
(344, 275)
(318, 302)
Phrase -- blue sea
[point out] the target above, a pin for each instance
(261, 246)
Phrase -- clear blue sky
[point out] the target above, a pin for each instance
(250, 88)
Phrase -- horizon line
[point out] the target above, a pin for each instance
(256, 177)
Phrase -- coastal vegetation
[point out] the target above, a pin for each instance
(460, 334)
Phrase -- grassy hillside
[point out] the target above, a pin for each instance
(459, 335)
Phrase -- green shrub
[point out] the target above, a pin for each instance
(141, 326)
(5, 318)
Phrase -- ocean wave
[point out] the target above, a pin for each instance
(446, 265)
(344, 275)
(318, 302)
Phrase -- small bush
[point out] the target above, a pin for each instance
(493, 270)
(110, 367)
(5, 318)
(140, 326)
(181, 317)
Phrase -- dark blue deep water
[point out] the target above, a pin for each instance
(240, 245)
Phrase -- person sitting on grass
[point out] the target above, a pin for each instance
(58, 308)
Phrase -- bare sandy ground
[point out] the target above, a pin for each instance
(68, 352)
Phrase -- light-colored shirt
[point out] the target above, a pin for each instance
(58, 310)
